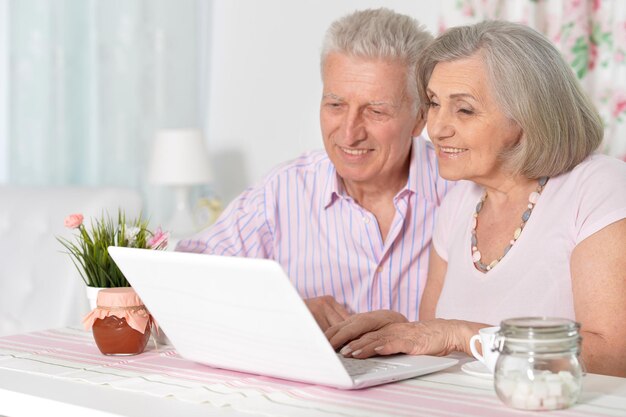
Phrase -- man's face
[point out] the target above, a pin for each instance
(368, 118)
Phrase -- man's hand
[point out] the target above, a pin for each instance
(327, 311)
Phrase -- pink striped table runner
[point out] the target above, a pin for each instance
(71, 354)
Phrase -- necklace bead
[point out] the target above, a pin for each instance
(533, 198)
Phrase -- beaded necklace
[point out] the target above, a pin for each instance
(532, 201)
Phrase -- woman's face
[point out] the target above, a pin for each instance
(466, 124)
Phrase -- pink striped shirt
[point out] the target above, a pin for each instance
(302, 217)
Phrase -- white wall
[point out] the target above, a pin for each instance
(265, 85)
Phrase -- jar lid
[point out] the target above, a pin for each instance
(122, 302)
(539, 328)
(538, 334)
(118, 297)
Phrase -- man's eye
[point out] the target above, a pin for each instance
(466, 111)
(377, 114)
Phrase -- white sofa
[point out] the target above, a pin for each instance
(39, 286)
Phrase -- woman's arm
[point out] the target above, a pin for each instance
(437, 268)
(598, 267)
(386, 332)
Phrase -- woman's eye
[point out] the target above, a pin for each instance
(466, 111)
(432, 104)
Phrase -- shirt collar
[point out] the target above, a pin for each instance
(419, 172)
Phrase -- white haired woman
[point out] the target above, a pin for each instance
(539, 228)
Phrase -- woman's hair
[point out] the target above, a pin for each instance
(536, 89)
(379, 34)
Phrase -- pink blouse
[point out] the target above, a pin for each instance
(534, 277)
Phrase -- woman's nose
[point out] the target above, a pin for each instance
(439, 125)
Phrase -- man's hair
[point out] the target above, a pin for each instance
(379, 34)
(536, 89)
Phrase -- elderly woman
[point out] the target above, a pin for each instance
(538, 228)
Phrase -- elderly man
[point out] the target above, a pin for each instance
(352, 225)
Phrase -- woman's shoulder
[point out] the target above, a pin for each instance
(598, 170)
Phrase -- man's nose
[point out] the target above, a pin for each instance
(353, 127)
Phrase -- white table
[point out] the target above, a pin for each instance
(61, 372)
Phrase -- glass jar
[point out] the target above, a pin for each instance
(538, 367)
(120, 322)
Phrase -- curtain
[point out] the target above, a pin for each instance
(90, 81)
(591, 35)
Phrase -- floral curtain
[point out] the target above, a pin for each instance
(591, 35)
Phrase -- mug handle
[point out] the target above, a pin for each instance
(473, 348)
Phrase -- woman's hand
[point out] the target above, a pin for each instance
(433, 337)
(359, 324)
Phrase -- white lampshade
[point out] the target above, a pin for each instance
(180, 160)
(179, 157)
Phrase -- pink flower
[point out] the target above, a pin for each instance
(468, 10)
(596, 5)
(619, 106)
(158, 239)
(73, 221)
(593, 55)
(442, 26)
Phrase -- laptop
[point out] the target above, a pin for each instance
(244, 314)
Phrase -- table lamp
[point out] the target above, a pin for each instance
(180, 160)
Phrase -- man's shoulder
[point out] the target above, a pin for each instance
(310, 162)
(425, 146)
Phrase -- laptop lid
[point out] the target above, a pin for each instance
(241, 314)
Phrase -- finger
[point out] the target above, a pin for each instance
(393, 346)
(342, 311)
(348, 333)
(321, 321)
(332, 330)
(362, 343)
(367, 350)
(334, 315)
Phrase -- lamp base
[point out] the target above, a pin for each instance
(181, 224)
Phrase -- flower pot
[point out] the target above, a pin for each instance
(92, 295)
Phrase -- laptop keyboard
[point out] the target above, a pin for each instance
(361, 366)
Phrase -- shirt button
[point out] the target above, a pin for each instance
(366, 220)
(379, 269)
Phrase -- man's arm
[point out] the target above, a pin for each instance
(243, 229)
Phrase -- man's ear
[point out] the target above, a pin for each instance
(420, 122)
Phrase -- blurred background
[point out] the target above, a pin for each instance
(173, 107)
(86, 84)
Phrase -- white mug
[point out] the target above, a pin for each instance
(486, 336)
